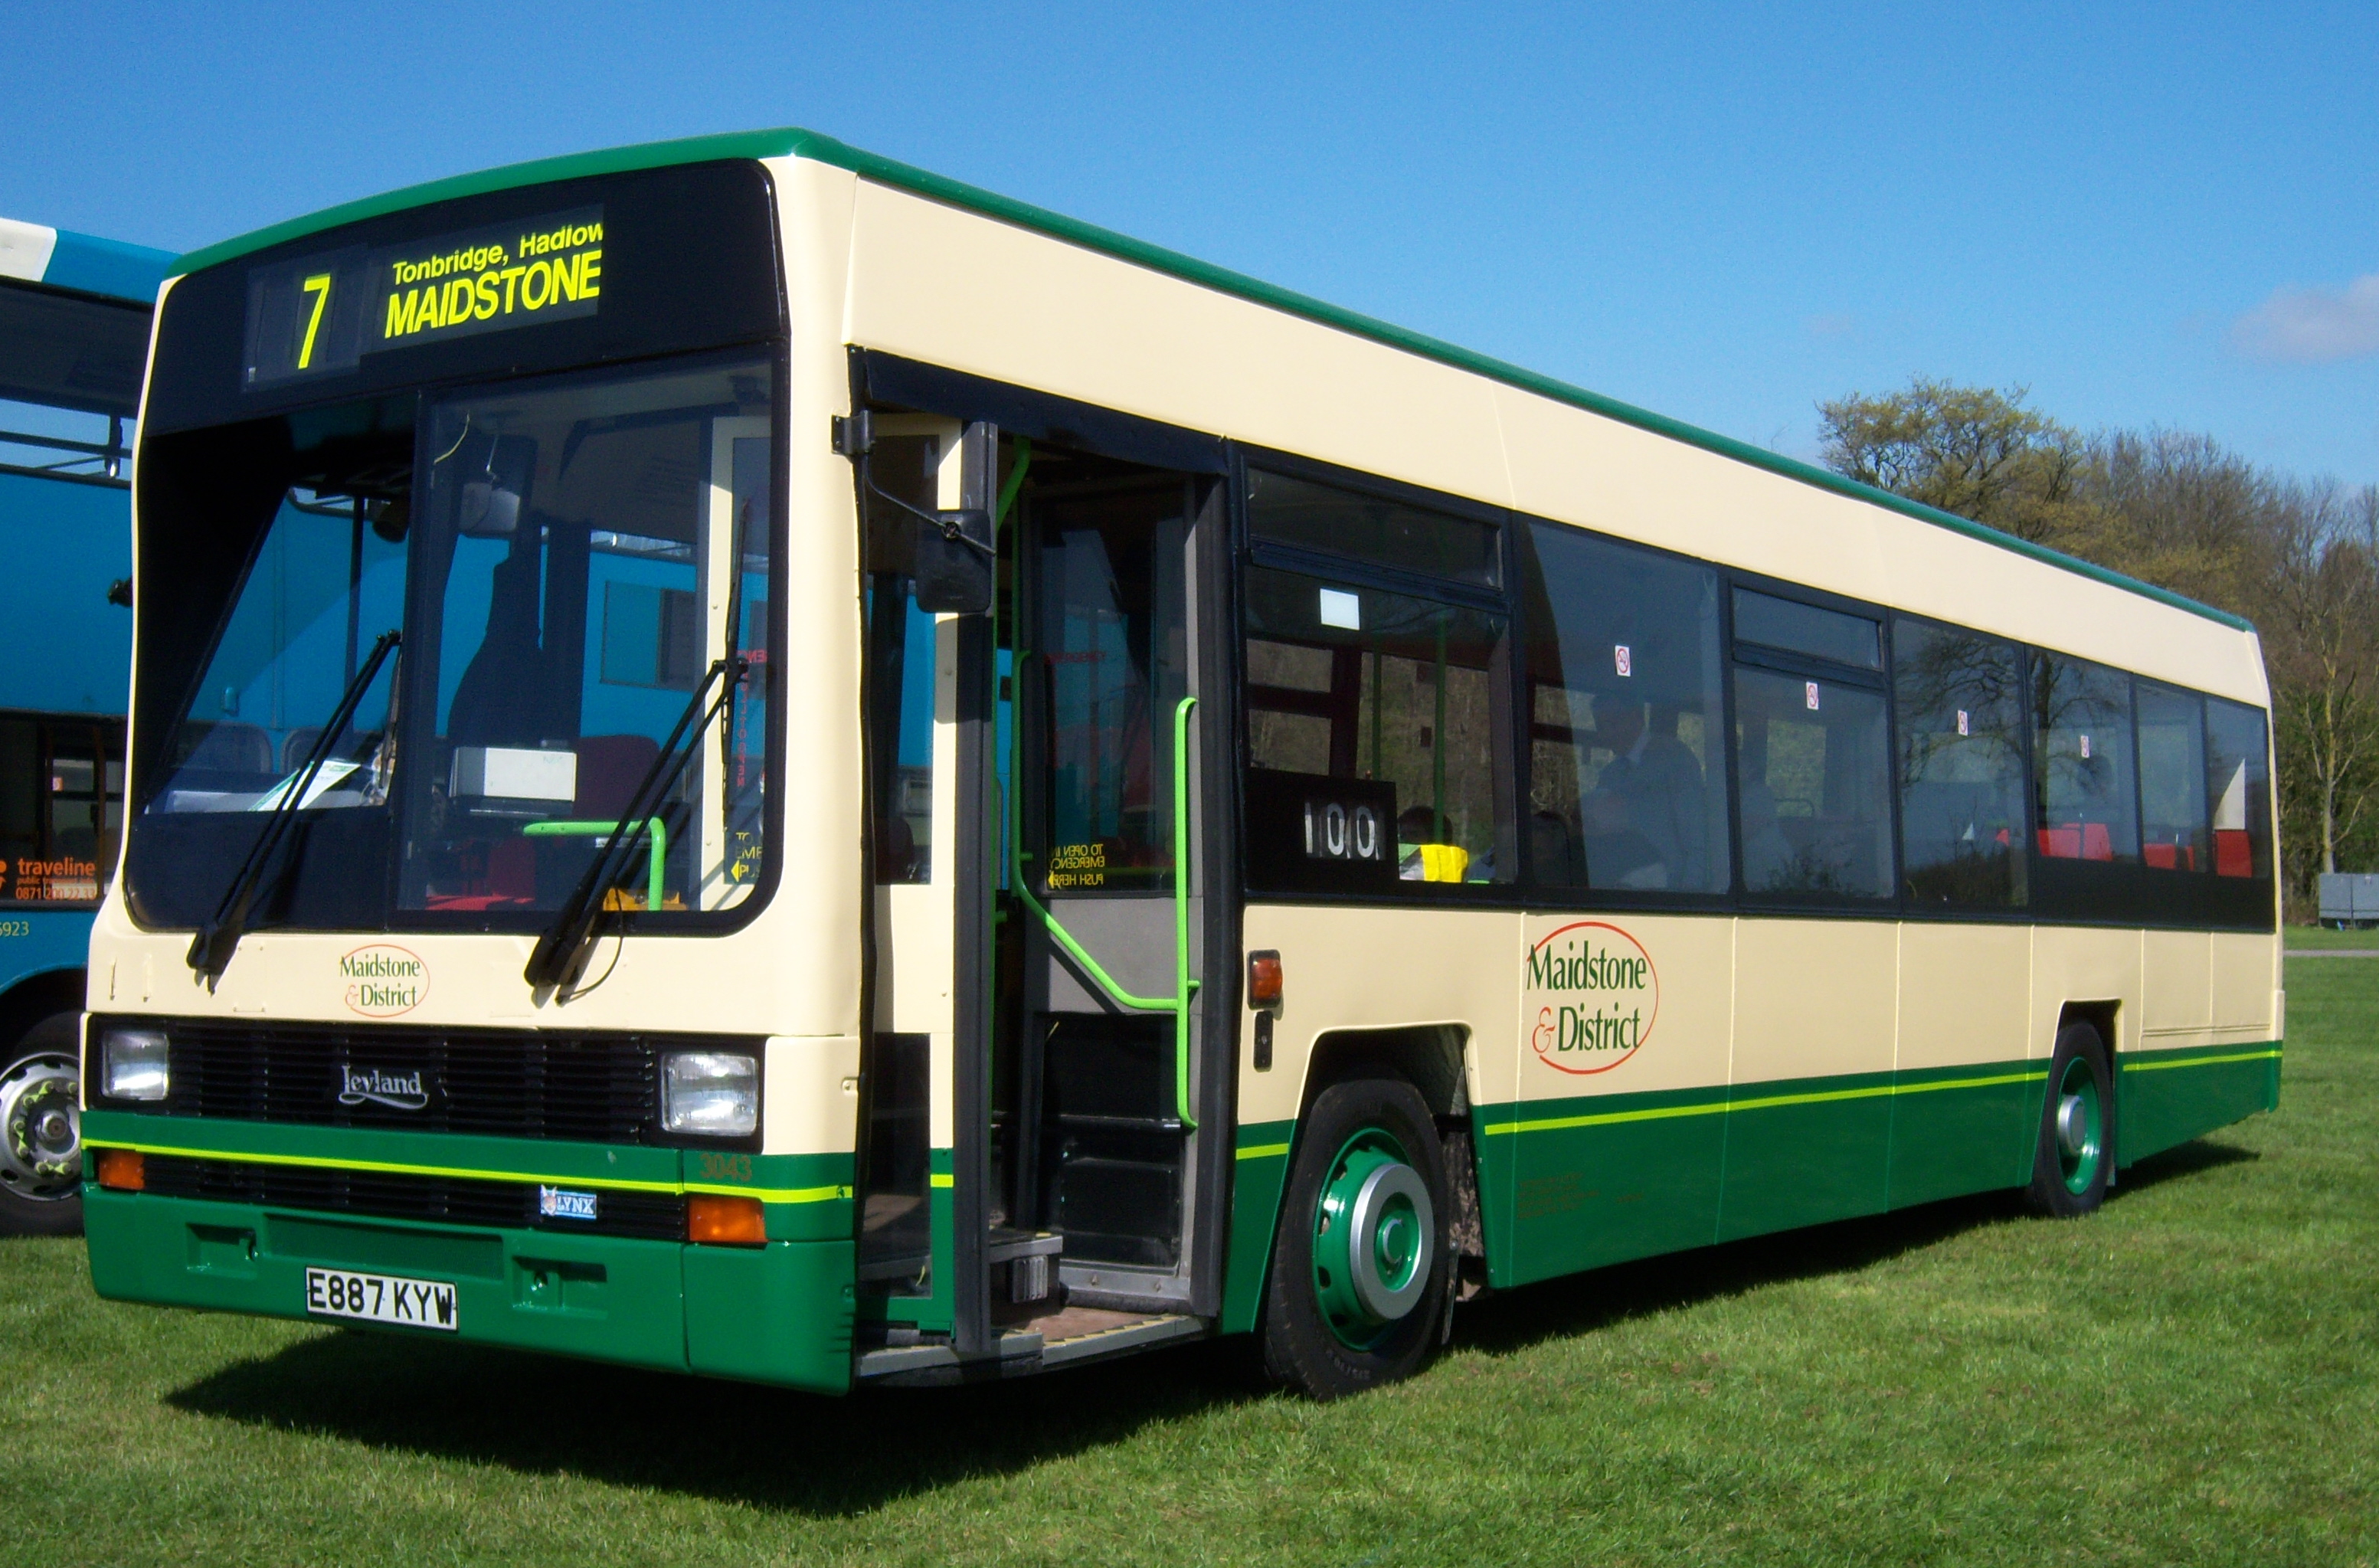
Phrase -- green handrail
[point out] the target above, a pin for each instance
(1184, 984)
(658, 841)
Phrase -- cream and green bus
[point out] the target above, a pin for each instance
(748, 760)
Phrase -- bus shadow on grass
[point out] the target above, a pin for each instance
(772, 1449)
(1576, 1304)
(766, 1448)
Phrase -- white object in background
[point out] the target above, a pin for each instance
(25, 249)
(1342, 609)
(515, 773)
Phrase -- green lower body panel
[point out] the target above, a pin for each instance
(2169, 1097)
(1604, 1179)
(1802, 1151)
(1956, 1130)
(1259, 1173)
(776, 1313)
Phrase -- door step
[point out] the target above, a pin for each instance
(1066, 1337)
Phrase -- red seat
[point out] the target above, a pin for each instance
(2077, 841)
(2234, 852)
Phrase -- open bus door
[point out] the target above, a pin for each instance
(1044, 1155)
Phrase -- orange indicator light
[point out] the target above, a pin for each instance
(120, 1170)
(734, 1221)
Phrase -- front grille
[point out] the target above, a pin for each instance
(508, 1083)
(651, 1216)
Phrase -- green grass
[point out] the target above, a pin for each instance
(2191, 1376)
(2303, 938)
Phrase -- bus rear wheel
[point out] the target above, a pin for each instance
(41, 1131)
(1359, 1266)
(2076, 1153)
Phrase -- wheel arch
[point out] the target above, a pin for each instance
(35, 997)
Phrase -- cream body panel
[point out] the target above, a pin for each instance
(1693, 1030)
(948, 287)
(2246, 972)
(1814, 998)
(1351, 968)
(1965, 995)
(2082, 963)
(2176, 986)
(809, 1096)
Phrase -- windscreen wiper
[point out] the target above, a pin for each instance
(212, 949)
(562, 947)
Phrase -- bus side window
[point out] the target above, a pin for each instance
(1625, 785)
(1957, 697)
(2081, 761)
(2172, 779)
(2238, 778)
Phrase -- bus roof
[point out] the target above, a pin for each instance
(794, 142)
(35, 253)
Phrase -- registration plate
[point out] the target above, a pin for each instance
(381, 1299)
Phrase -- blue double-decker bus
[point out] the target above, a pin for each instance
(74, 334)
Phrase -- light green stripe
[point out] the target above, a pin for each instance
(942, 1179)
(1261, 1150)
(2132, 1064)
(764, 1194)
(1661, 1113)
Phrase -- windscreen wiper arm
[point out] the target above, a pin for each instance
(212, 949)
(562, 947)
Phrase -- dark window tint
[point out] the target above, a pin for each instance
(2082, 760)
(1960, 712)
(1815, 787)
(2172, 779)
(1805, 628)
(1626, 786)
(2238, 780)
(900, 658)
(1109, 661)
(1354, 683)
(1388, 533)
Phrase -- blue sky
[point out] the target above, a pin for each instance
(2150, 216)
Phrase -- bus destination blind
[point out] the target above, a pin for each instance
(320, 315)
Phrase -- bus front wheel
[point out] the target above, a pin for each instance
(1359, 1266)
(40, 1126)
(2076, 1150)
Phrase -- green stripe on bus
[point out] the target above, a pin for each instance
(1263, 1151)
(2134, 1063)
(1712, 1107)
(391, 1167)
(942, 1179)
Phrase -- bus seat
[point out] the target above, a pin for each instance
(2077, 841)
(2234, 852)
(609, 768)
(2170, 857)
(296, 745)
(234, 748)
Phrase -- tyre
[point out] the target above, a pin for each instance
(2076, 1149)
(41, 1130)
(1360, 1265)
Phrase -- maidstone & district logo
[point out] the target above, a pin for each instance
(383, 981)
(1597, 996)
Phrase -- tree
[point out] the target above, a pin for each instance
(1968, 449)
(2320, 643)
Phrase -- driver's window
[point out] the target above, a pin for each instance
(586, 547)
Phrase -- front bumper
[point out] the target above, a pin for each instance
(776, 1313)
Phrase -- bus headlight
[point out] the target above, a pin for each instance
(133, 1065)
(710, 1094)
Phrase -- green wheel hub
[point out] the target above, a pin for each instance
(2080, 1126)
(1374, 1236)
